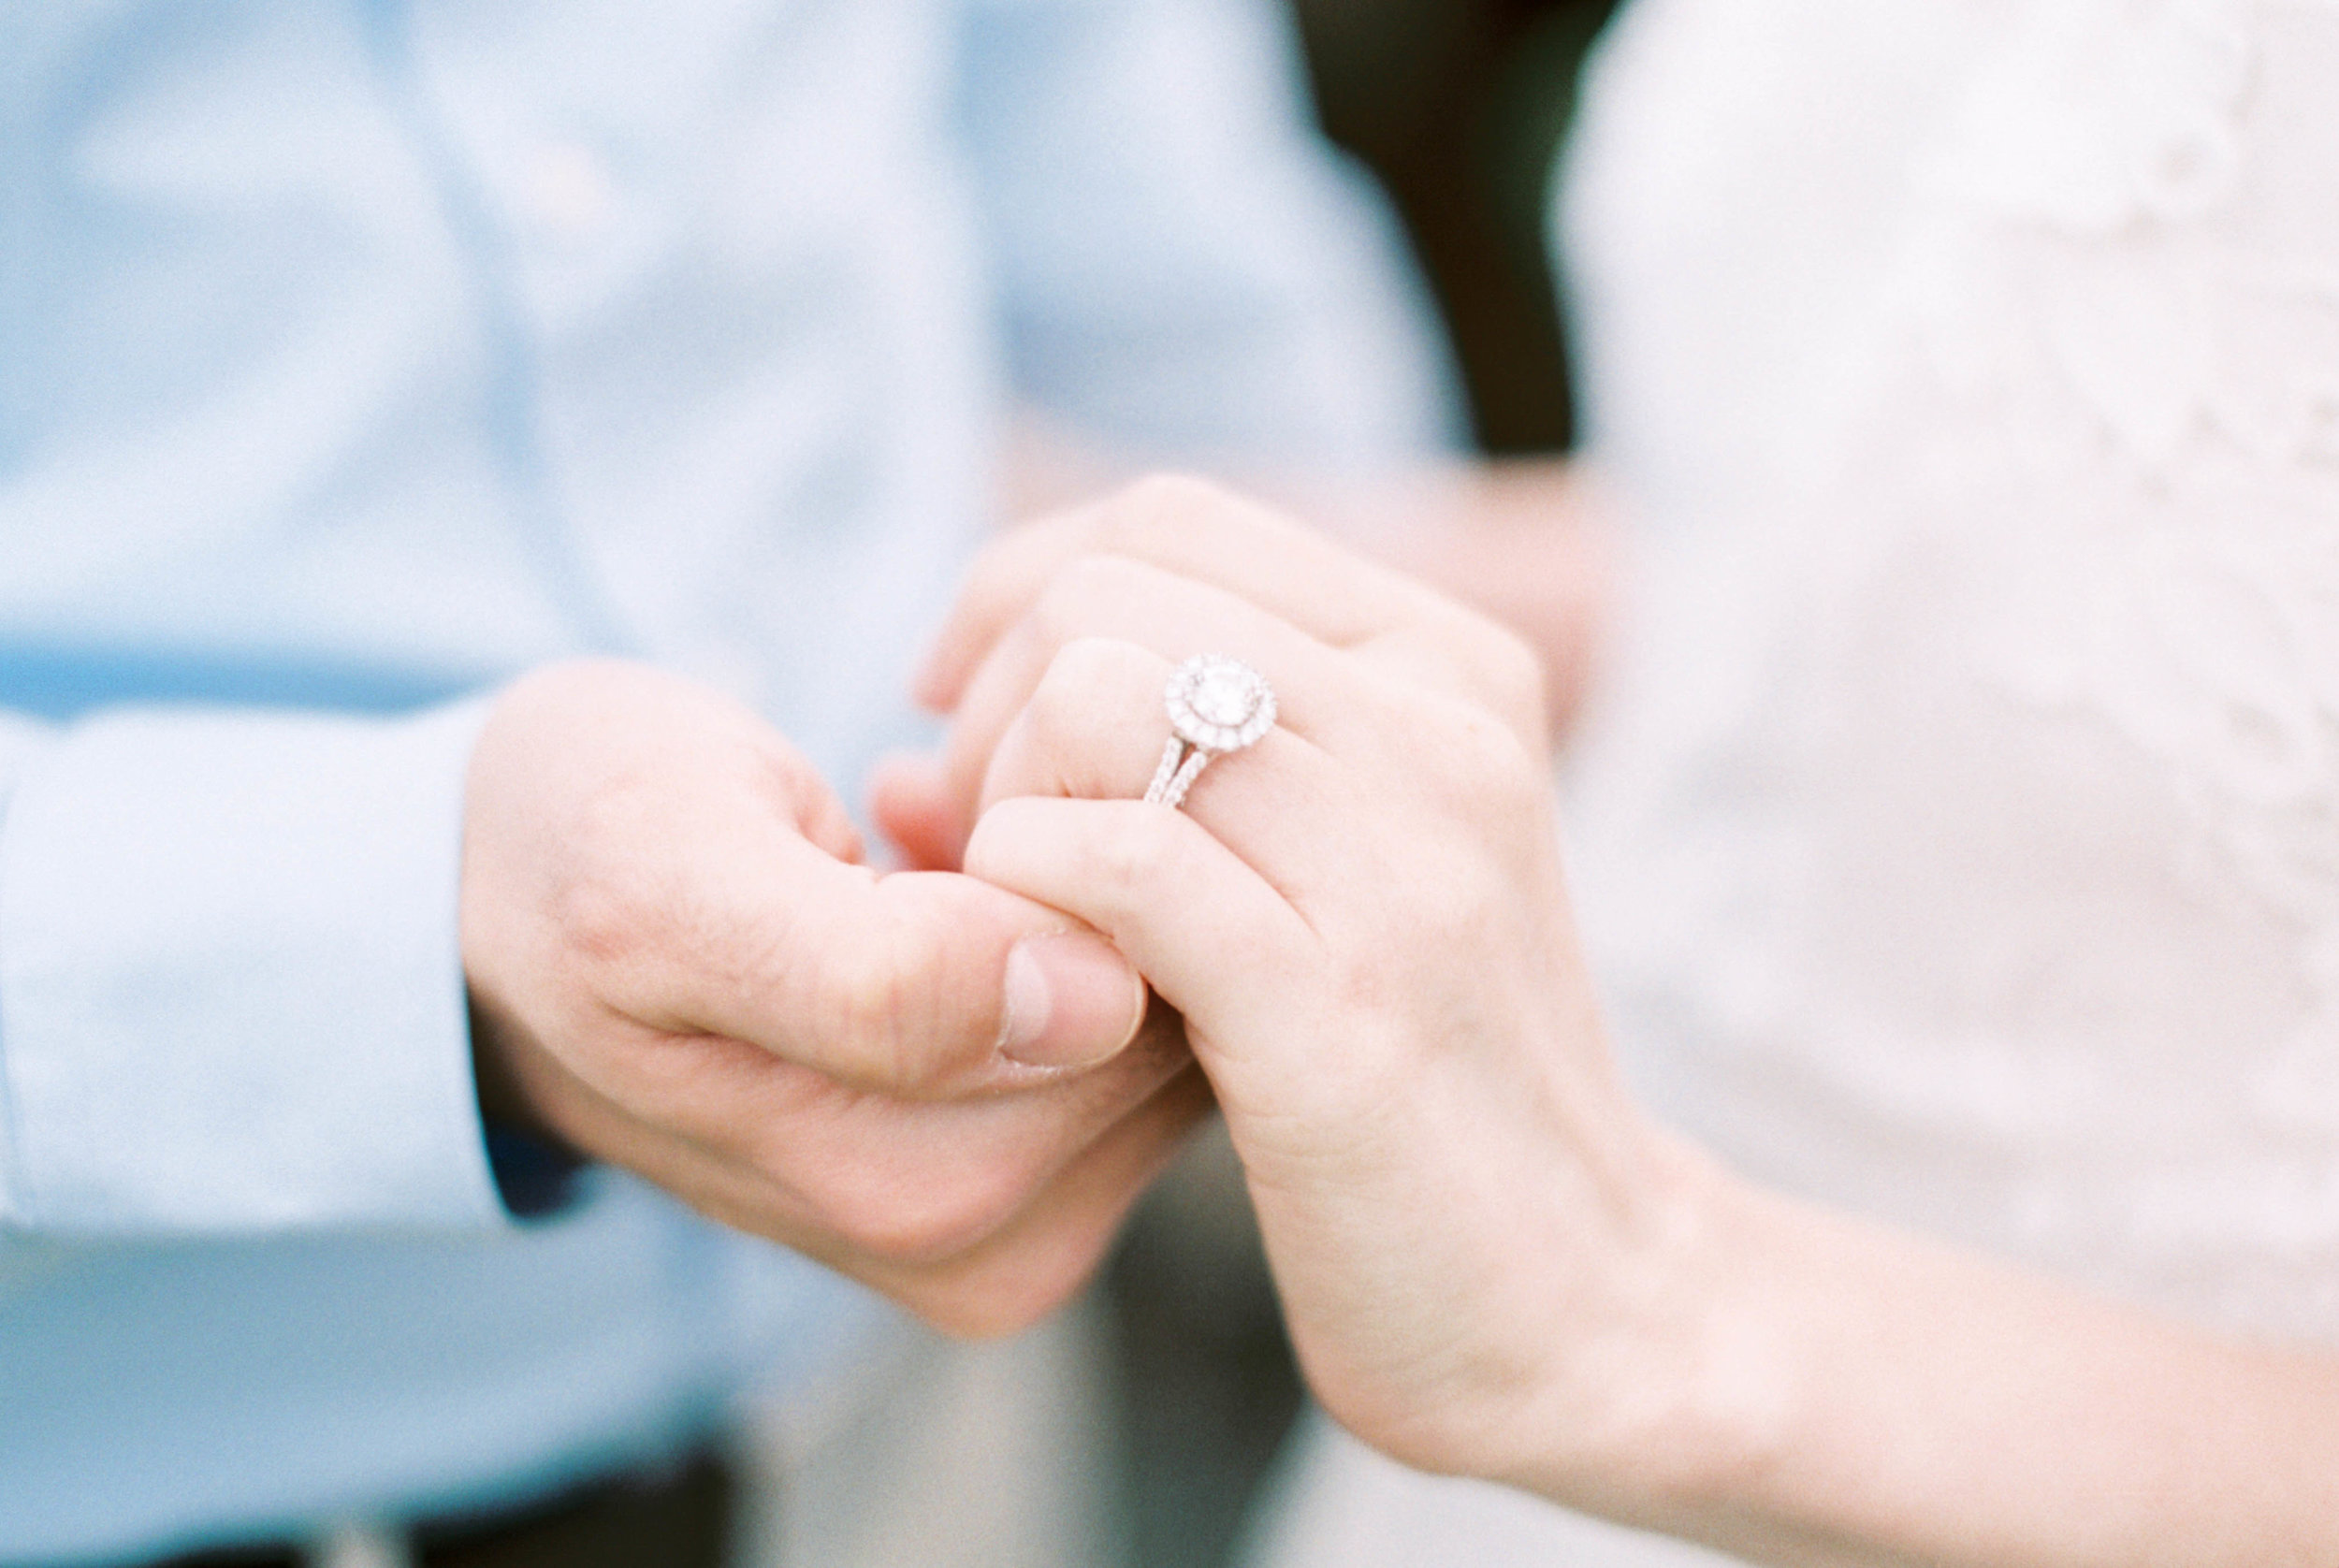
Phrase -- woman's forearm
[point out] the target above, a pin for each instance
(1489, 1261)
(1855, 1395)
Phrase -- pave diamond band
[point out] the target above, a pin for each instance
(1217, 705)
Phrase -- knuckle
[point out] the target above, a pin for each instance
(1478, 762)
(1082, 668)
(608, 915)
(863, 1006)
(1513, 673)
(1067, 607)
(602, 922)
(1130, 864)
(1519, 780)
(1102, 577)
(1053, 718)
(1161, 500)
(1491, 664)
(1085, 674)
(1473, 909)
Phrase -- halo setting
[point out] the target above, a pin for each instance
(1217, 705)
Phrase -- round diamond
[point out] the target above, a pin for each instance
(1219, 703)
(1226, 694)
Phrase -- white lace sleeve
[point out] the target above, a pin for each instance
(2126, 289)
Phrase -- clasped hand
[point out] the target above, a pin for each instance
(929, 1080)
(1361, 920)
(678, 964)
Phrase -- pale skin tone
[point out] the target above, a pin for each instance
(1523, 540)
(679, 965)
(1492, 1260)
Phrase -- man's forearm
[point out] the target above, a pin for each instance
(229, 976)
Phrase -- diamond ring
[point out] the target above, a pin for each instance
(1217, 705)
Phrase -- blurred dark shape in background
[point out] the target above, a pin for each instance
(1459, 105)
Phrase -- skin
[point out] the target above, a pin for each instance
(1492, 1260)
(1526, 541)
(678, 964)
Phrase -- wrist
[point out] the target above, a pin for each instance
(1667, 1389)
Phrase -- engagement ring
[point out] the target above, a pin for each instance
(1217, 705)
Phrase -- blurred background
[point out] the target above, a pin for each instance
(1459, 107)
(1140, 1429)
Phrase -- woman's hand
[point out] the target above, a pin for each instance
(1491, 1261)
(1362, 919)
(1091, 572)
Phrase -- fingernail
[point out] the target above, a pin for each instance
(1072, 1001)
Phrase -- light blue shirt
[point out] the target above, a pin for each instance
(357, 357)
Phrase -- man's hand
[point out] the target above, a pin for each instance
(678, 966)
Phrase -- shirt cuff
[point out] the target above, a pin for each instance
(231, 984)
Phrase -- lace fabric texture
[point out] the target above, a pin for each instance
(1962, 842)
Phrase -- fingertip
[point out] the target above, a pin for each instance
(991, 844)
(903, 777)
(911, 802)
(940, 677)
(831, 831)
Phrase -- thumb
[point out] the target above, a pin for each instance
(1219, 941)
(920, 983)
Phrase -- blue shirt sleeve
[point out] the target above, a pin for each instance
(231, 990)
(1185, 266)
